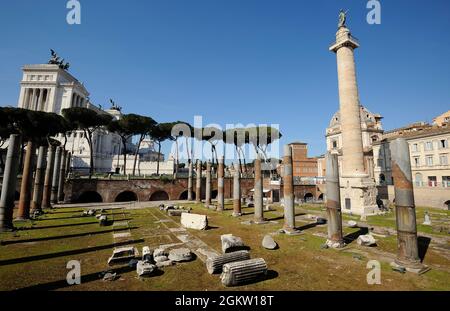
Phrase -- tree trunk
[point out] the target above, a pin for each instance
(215, 153)
(176, 158)
(136, 154)
(88, 135)
(22, 147)
(239, 159)
(2, 163)
(187, 149)
(243, 157)
(124, 142)
(27, 178)
(157, 162)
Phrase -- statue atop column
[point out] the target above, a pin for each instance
(56, 60)
(342, 18)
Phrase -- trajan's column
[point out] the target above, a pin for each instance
(358, 190)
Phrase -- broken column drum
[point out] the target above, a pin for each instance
(236, 192)
(258, 192)
(215, 264)
(407, 246)
(288, 190)
(198, 189)
(208, 185)
(9, 183)
(220, 185)
(333, 203)
(243, 272)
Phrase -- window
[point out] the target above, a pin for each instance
(429, 145)
(443, 160)
(335, 144)
(429, 160)
(446, 181)
(418, 179)
(432, 181)
(443, 144)
(416, 161)
(415, 147)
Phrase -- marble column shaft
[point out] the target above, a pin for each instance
(288, 190)
(198, 189)
(38, 189)
(9, 183)
(48, 177)
(220, 185)
(208, 185)
(258, 193)
(236, 191)
(333, 202)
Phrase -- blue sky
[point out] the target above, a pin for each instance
(237, 61)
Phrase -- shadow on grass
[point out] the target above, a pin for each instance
(282, 217)
(423, 243)
(51, 211)
(247, 213)
(349, 238)
(67, 236)
(58, 226)
(85, 279)
(67, 253)
(308, 226)
(60, 218)
(212, 227)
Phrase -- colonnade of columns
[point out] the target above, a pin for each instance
(407, 255)
(77, 100)
(36, 192)
(36, 98)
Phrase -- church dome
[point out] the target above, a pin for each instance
(365, 115)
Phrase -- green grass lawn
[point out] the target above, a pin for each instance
(35, 256)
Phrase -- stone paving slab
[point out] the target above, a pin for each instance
(120, 224)
(121, 235)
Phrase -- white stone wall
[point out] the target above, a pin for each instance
(418, 150)
(144, 167)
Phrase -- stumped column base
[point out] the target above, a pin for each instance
(417, 268)
(335, 244)
(236, 214)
